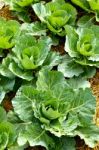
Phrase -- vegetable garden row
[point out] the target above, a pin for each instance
(49, 52)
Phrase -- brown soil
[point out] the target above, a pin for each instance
(7, 104)
(5, 12)
(60, 47)
(95, 87)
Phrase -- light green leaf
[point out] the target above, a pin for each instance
(53, 59)
(3, 140)
(94, 5)
(34, 29)
(97, 16)
(23, 3)
(7, 133)
(78, 82)
(2, 94)
(71, 41)
(4, 42)
(17, 147)
(20, 73)
(52, 80)
(85, 21)
(81, 3)
(8, 31)
(69, 67)
(4, 70)
(6, 85)
(3, 116)
(25, 95)
(40, 11)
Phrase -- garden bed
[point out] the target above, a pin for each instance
(6, 13)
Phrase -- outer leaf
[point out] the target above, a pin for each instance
(7, 133)
(3, 140)
(69, 68)
(16, 147)
(85, 21)
(35, 29)
(40, 11)
(7, 84)
(94, 5)
(82, 3)
(97, 16)
(35, 136)
(4, 71)
(20, 73)
(89, 72)
(89, 134)
(15, 5)
(50, 81)
(23, 15)
(2, 94)
(23, 3)
(8, 31)
(65, 143)
(53, 59)
(3, 116)
(26, 96)
(71, 41)
(78, 82)
(89, 5)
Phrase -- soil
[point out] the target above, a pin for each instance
(95, 87)
(5, 12)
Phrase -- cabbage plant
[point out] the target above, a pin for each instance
(82, 44)
(21, 8)
(56, 15)
(28, 56)
(8, 32)
(89, 5)
(7, 131)
(63, 108)
(82, 47)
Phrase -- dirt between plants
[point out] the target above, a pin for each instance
(6, 13)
